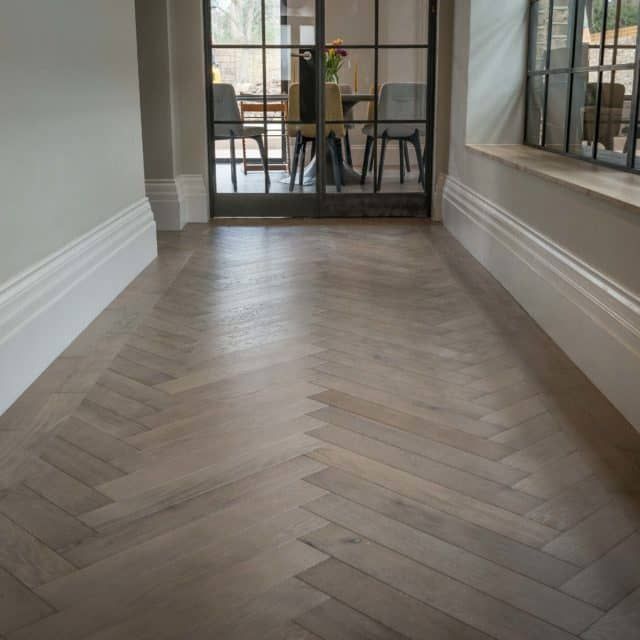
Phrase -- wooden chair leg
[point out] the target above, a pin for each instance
(365, 164)
(402, 159)
(234, 168)
(383, 152)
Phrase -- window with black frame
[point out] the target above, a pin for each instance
(583, 80)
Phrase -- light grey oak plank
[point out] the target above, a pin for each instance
(499, 549)
(42, 519)
(19, 606)
(453, 561)
(28, 559)
(491, 616)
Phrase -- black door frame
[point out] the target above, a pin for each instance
(322, 204)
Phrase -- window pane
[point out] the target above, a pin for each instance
(352, 21)
(557, 111)
(621, 34)
(405, 22)
(295, 21)
(240, 67)
(583, 113)
(589, 33)
(535, 108)
(560, 33)
(615, 112)
(538, 34)
(240, 21)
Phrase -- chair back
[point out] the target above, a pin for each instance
(333, 111)
(403, 101)
(225, 107)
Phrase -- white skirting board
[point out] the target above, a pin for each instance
(593, 319)
(45, 308)
(178, 202)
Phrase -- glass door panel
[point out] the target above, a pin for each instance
(321, 107)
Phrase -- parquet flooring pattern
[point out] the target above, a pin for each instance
(336, 430)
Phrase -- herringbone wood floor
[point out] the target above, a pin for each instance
(303, 431)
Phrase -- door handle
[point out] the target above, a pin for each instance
(307, 56)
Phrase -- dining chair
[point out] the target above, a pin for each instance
(403, 146)
(229, 126)
(406, 101)
(307, 133)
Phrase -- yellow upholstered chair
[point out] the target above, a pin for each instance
(305, 133)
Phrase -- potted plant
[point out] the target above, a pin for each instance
(334, 58)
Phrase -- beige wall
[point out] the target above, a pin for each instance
(71, 148)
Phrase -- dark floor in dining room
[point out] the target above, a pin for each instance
(275, 434)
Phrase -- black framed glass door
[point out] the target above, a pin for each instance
(320, 107)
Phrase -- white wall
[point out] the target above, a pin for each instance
(70, 140)
(489, 64)
(75, 225)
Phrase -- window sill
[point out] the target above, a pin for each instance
(616, 187)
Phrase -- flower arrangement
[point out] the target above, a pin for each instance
(334, 58)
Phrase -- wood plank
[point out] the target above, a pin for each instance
(453, 598)
(336, 621)
(26, 558)
(478, 465)
(453, 561)
(611, 578)
(42, 519)
(64, 491)
(78, 463)
(438, 497)
(460, 481)
(482, 542)
(465, 442)
(18, 605)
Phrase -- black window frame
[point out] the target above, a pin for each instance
(576, 7)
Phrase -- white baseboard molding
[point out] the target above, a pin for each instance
(178, 202)
(594, 320)
(46, 307)
(194, 198)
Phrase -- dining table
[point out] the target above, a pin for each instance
(349, 102)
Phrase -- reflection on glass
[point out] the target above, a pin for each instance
(402, 65)
(241, 68)
(240, 21)
(581, 106)
(557, 111)
(538, 35)
(296, 20)
(589, 32)
(535, 109)
(405, 22)
(615, 111)
(621, 32)
(353, 21)
(560, 55)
